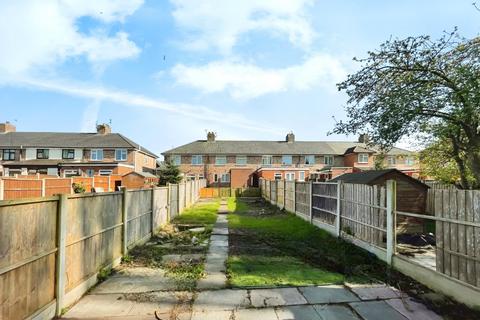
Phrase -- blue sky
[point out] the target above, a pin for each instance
(164, 72)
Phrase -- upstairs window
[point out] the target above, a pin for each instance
(391, 160)
(241, 160)
(197, 159)
(310, 159)
(363, 158)
(267, 160)
(220, 160)
(121, 154)
(410, 161)
(287, 160)
(68, 154)
(96, 154)
(176, 159)
(42, 153)
(9, 154)
(328, 160)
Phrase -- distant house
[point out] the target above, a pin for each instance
(242, 163)
(71, 153)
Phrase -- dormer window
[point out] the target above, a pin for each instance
(363, 158)
(287, 160)
(9, 154)
(96, 154)
(121, 154)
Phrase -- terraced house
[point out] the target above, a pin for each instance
(242, 163)
(69, 154)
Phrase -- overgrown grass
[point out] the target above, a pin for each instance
(185, 275)
(201, 213)
(235, 205)
(249, 270)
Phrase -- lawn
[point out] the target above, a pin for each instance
(201, 214)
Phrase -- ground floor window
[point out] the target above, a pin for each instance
(70, 173)
(277, 176)
(290, 176)
(225, 177)
(301, 176)
(105, 172)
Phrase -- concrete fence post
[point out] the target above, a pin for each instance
(295, 197)
(61, 248)
(310, 200)
(391, 208)
(169, 192)
(2, 189)
(284, 194)
(153, 211)
(43, 188)
(338, 219)
(178, 199)
(124, 221)
(71, 185)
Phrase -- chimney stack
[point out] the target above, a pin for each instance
(104, 129)
(290, 137)
(364, 138)
(211, 136)
(7, 127)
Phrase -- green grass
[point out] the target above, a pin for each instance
(248, 270)
(237, 206)
(201, 213)
(185, 275)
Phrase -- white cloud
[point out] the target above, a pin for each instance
(246, 81)
(218, 24)
(126, 98)
(42, 33)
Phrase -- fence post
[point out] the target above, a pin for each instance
(124, 221)
(43, 188)
(2, 189)
(169, 192)
(339, 208)
(284, 194)
(310, 202)
(61, 248)
(391, 208)
(153, 211)
(295, 197)
(71, 185)
(178, 198)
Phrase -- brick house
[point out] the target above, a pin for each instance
(71, 154)
(242, 163)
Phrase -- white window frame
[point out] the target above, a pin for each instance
(220, 160)
(177, 159)
(225, 178)
(328, 162)
(71, 173)
(277, 176)
(391, 160)
(267, 163)
(287, 157)
(289, 175)
(301, 176)
(105, 172)
(198, 161)
(360, 158)
(241, 163)
(410, 161)
(309, 162)
(94, 154)
(121, 151)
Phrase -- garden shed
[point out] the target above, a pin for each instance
(139, 180)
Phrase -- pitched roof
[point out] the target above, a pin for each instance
(68, 140)
(142, 174)
(370, 176)
(271, 147)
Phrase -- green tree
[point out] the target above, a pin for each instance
(417, 85)
(380, 161)
(169, 173)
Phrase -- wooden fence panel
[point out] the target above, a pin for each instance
(85, 181)
(273, 191)
(139, 215)
(160, 204)
(27, 230)
(290, 196)
(22, 188)
(102, 182)
(173, 201)
(181, 197)
(58, 186)
(324, 202)
(302, 199)
(280, 186)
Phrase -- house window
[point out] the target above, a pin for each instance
(68, 154)
(176, 159)
(225, 177)
(391, 160)
(215, 177)
(96, 154)
(290, 176)
(241, 160)
(42, 153)
(363, 158)
(197, 159)
(310, 159)
(277, 176)
(328, 160)
(90, 172)
(70, 173)
(121, 154)
(8, 154)
(267, 160)
(301, 176)
(220, 160)
(410, 161)
(105, 172)
(287, 160)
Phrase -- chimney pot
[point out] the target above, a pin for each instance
(290, 137)
(104, 128)
(363, 138)
(7, 127)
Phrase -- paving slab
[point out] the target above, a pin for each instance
(218, 249)
(327, 294)
(335, 312)
(276, 297)
(255, 314)
(136, 280)
(412, 310)
(182, 257)
(214, 280)
(212, 315)
(219, 231)
(372, 292)
(227, 299)
(215, 265)
(376, 310)
(297, 312)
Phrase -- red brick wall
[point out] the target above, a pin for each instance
(241, 178)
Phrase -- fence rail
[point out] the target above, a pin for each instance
(367, 216)
(52, 248)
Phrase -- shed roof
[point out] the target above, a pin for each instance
(142, 174)
(371, 176)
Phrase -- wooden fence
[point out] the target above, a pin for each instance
(367, 216)
(51, 248)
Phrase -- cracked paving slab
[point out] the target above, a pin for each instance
(276, 297)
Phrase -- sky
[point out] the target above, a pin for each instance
(165, 72)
